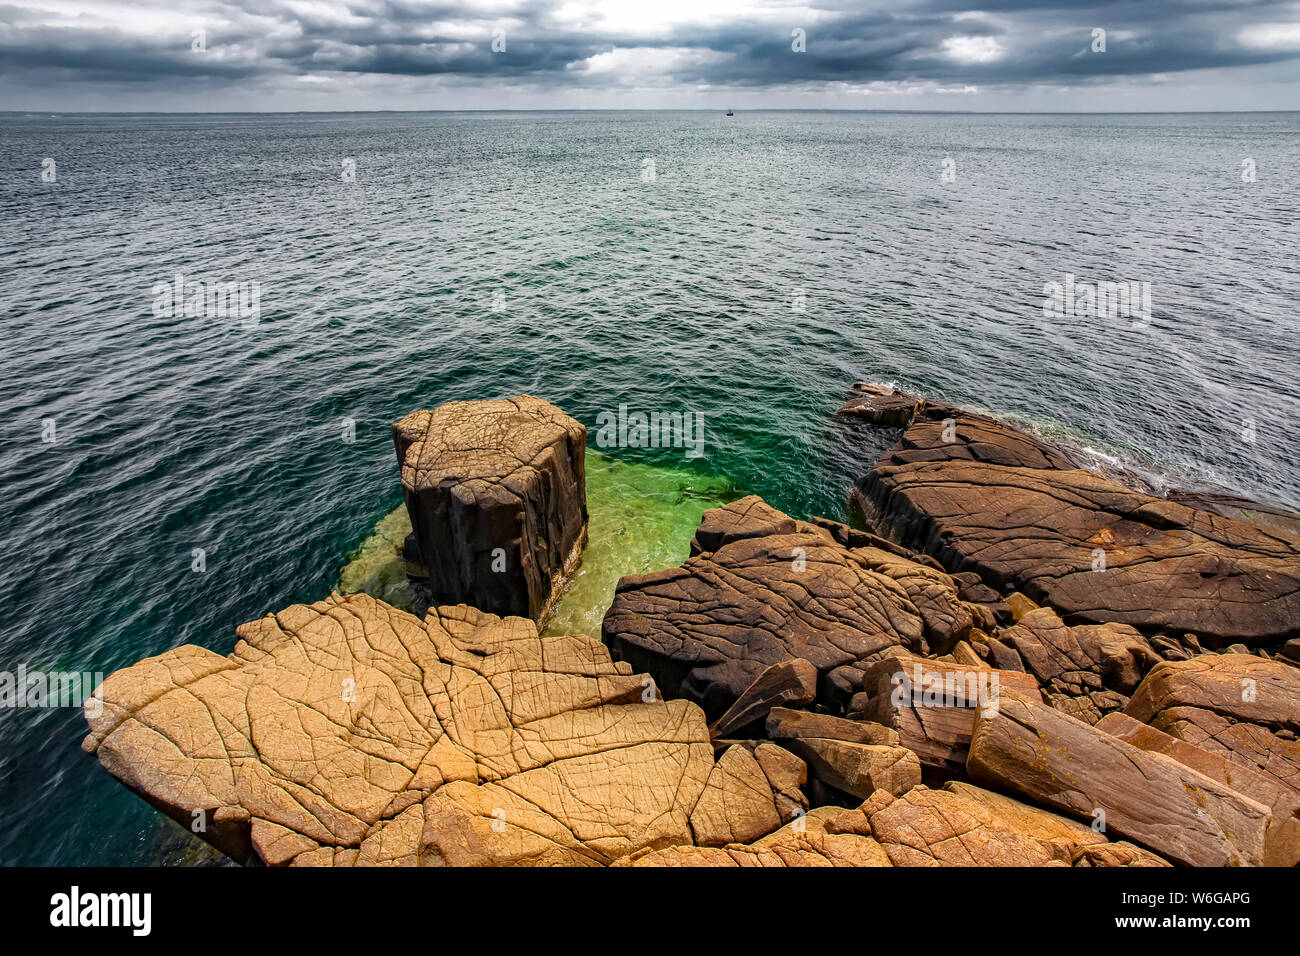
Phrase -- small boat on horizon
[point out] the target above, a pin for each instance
(729, 113)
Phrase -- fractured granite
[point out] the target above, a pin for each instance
(980, 496)
(347, 732)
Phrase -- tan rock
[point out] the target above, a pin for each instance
(1118, 853)
(931, 705)
(927, 827)
(347, 732)
(1020, 605)
(787, 775)
(737, 804)
(1238, 705)
(1029, 820)
(963, 653)
(805, 842)
(1030, 748)
(784, 722)
(858, 769)
(1282, 844)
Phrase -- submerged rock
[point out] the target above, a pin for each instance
(349, 733)
(496, 492)
(981, 496)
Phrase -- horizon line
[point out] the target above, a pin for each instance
(638, 109)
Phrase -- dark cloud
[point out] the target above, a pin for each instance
(1004, 44)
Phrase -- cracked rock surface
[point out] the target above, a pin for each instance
(981, 496)
(496, 492)
(959, 825)
(350, 733)
(761, 589)
(1239, 706)
(1086, 670)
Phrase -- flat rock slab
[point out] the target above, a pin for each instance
(858, 769)
(1238, 705)
(1181, 814)
(959, 825)
(971, 827)
(981, 496)
(350, 733)
(496, 492)
(956, 826)
(784, 723)
(772, 590)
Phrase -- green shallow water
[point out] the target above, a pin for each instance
(641, 518)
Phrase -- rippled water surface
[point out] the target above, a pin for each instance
(771, 260)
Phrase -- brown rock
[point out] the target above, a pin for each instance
(932, 705)
(858, 769)
(806, 841)
(347, 732)
(1183, 815)
(1238, 705)
(1282, 843)
(963, 653)
(497, 497)
(792, 682)
(1077, 662)
(1020, 605)
(980, 496)
(956, 826)
(1032, 821)
(1118, 853)
(766, 595)
(1004, 657)
(882, 404)
(927, 827)
(784, 723)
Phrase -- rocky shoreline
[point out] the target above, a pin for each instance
(1022, 662)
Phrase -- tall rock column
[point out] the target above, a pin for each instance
(497, 495)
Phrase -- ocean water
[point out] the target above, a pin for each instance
(746, 268)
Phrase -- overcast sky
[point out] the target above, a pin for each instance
(574, 54)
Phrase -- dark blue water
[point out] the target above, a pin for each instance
(482, 255)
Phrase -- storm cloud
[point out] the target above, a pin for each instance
(376, 54)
